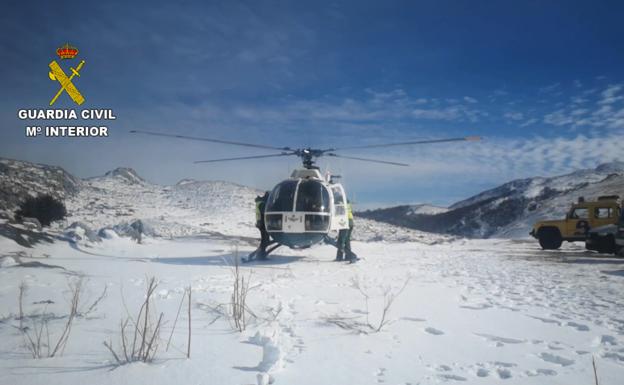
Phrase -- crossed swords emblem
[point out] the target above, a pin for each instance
(57, 73)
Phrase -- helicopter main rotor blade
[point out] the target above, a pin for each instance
(464, 139)
(367, 160)
(243, 158)
(210, 140)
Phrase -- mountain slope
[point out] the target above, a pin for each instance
(20, 180)
(510, 209)
(189, 207)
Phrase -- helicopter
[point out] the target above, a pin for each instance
(304, 209)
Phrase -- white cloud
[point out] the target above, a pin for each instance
(529, 122)
(506, 159)
(606, 112)
(510, 115)
(549, 89)
(609, 95)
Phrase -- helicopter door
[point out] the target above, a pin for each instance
(339, 219)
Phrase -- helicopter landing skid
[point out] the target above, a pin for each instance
(253, 255)
(330, 241)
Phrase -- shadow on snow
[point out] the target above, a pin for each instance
(225, 260)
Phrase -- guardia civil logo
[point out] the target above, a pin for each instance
(66, 122)
(66, 52)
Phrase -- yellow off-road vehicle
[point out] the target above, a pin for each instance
(583, 216)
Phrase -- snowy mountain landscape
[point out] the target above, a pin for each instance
(419, 308)
(510, 210)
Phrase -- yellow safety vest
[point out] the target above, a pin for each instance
(349, 211)
(258, 214)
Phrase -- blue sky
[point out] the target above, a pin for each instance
(543, 82)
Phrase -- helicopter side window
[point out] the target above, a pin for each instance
(282, 196)
(312, 196)
(338, 198)
(339, 201)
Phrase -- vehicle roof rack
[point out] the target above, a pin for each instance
(608, 198)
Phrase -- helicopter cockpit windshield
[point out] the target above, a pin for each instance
(312, 196)
(282, 196)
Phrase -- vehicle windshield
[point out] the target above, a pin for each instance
(282, 196)
(312, 196)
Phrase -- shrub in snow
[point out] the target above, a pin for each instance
(41, 339)
(140, 336)
(45, 208)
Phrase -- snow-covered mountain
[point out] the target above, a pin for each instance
(19, 180)
(425, 209)
(511, 209)
(189, 207)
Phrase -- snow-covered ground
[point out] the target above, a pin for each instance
(474, 311)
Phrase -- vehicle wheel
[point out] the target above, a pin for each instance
(549, 239)
(606, 245)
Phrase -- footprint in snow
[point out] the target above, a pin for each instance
(503, 373)
(504, 364)
(618, 357)
(380, 373)
(452, 377)
(481, 306)
(555, 359)
(541, 372)
(546, 320)
(434, 331)
(579, 327)
(606, 340)
(501, 340)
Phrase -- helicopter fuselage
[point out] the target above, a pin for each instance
(303, 210)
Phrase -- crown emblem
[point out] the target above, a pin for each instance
(67, 51)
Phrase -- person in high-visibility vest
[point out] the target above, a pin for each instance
(344, 239)
(261, 202)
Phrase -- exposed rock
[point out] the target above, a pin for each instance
(107, 233)
(31, 223)
(79, 231)
(126, 174)
(135, 230)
